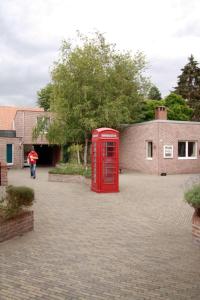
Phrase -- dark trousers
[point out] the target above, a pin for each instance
(33, 170)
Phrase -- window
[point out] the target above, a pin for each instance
(149, 150)
(9, 154)
(187, 149)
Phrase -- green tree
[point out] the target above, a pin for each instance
(177, 108)
(44, 96)
(154, 93)
(149, 109)
(189, 86)
(95, 85)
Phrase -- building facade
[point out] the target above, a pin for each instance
(16, 126)
(161, 146)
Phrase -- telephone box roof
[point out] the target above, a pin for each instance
(105, 129)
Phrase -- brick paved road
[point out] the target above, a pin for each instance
(133, 245)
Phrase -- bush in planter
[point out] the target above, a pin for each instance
(192, 197)
(16, 199)
(71, 169)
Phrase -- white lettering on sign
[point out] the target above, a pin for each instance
(168, 151)
(95, 135)
(108, 135)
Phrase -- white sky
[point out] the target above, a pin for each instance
(31, 31)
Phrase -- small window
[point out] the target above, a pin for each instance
(9, 154)
(187, 149)
(149, 149)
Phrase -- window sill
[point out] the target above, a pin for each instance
(149, 158)
(187, 158)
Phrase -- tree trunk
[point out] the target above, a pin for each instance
(78, 155)
(85, 152)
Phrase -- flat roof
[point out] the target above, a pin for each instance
(161, 121)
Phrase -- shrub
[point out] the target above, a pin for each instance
(72, 169)
(16, 199)
(192, 196)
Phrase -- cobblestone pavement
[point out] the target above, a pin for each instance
(135, 244)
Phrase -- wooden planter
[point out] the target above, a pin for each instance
(16, 226)
(196, 225)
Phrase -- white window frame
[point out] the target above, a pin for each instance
(147, 157)
(172, 151)
(186, 150)
(10, 164)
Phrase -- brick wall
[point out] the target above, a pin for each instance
(16, 226)
(196, 226)
(17, 150)
(133, 147)
(3, 174)
(171, 133)
(25, 121)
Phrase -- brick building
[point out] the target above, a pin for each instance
(161, 146)
(16, 125)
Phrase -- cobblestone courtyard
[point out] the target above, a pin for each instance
(132, 245)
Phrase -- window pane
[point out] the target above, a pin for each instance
(9, 153)
(191, 149)
(181, 149)
(149, 149)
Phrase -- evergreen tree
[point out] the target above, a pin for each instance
(154, 93)
(189, 86)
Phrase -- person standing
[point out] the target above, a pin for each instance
(32, 159)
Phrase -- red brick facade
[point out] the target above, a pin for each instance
(16, 226)
(23, 124)
(134, 138)
(3, 174)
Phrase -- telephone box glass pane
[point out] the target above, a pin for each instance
(109, 162)
(94, 170)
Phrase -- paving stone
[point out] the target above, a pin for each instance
(136, 244)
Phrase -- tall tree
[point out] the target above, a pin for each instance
(189, 86)
(154, 93)
(95, 85)
(44, 96)
(177, 108)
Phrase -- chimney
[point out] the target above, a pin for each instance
(161, 113)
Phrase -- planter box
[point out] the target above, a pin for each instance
(68, 178)
(196, 227)
(16, 226)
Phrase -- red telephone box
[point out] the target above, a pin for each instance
(105, 160)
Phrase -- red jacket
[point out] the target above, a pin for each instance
(32, 157)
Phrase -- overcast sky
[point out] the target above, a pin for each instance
(31, 31)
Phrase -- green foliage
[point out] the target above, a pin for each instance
(16, 199)
(74, 151)
(149, 109)
(154, 93)
(42, 127)
(72, 169)
(192, 196)
(44, 96)
(94, 85)
(177, 108)
(189, 86)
